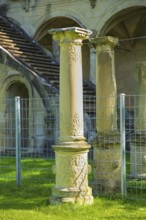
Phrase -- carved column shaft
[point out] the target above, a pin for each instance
(71, 95)
(72, 150)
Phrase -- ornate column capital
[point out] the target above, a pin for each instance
(105, 42)
(70, 35)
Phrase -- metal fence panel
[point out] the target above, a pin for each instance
(40, 129)
(136, 146)
(106, 148)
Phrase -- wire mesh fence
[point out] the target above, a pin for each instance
(108, 128)
(118, 139)
(135, 146)
(39, 130)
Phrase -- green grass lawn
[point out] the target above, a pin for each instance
(31, 200)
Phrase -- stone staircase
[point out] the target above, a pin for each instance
(27, 51)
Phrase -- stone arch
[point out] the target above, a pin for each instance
(72, 15)
(12, 79)
(64, 21)
(17, 89)
(45, 39)
(12, 86)
(52, 48)
(128, 25)
(115, 8)
(121, 16)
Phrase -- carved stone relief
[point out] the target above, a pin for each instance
(76, 170)
(80, 170)
(72, 51)
(76, 126)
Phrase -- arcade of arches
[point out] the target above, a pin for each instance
(128, 26)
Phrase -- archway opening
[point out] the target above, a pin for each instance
(52, 47)
(129, 26)
(18, 89)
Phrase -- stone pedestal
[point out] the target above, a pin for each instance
(107, 169)
(138, 144)
(71, 150)
(107, 164)
(72, 174)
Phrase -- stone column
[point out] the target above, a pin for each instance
(92, 65)
(107, 172)
(138, 144)
(71, 150)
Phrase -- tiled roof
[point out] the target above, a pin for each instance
(29, 52)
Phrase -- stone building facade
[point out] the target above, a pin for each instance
(122, 19)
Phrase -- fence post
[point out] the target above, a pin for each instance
(18, 140)
(123, 149)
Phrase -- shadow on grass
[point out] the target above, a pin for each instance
(37, 181)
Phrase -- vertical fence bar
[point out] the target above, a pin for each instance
(18, 140)
(123, 149)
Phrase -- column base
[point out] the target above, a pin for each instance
(71, 169)
(71, 195)
(107, 165)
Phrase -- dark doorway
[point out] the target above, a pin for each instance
(17, 89)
